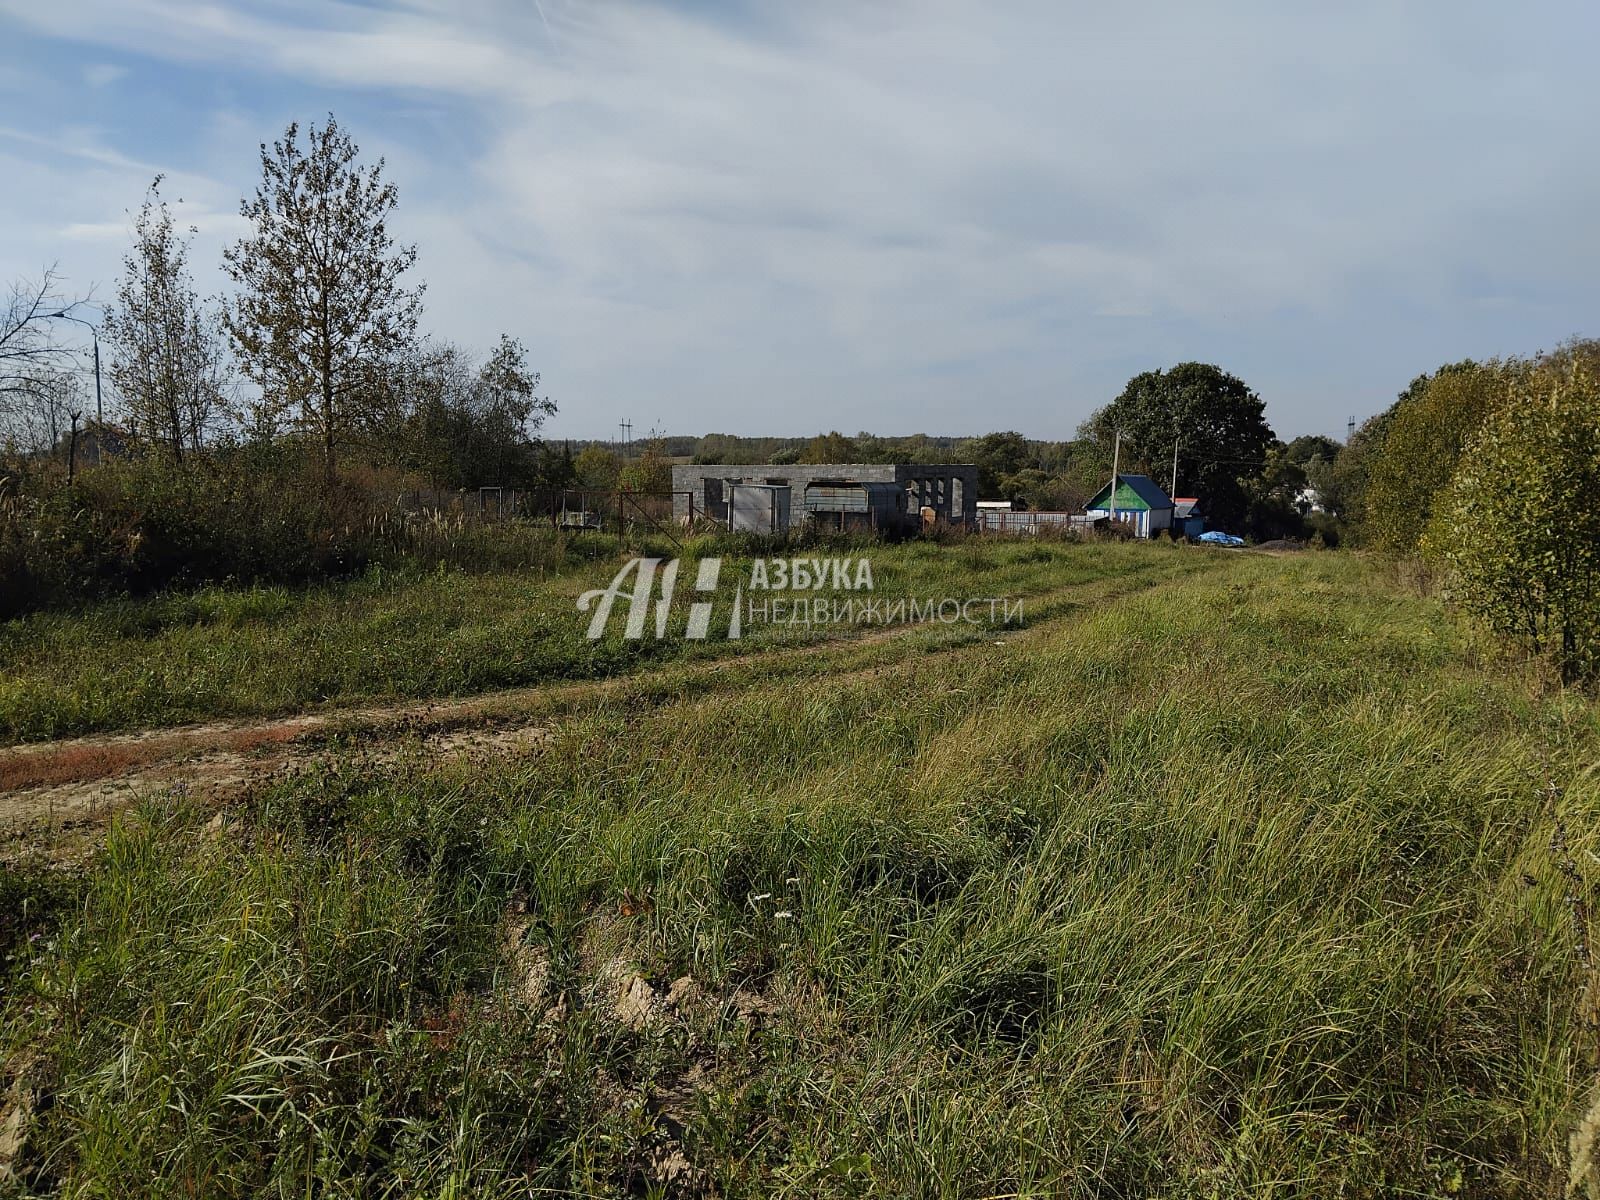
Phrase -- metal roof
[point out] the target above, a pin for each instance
(1143, 487)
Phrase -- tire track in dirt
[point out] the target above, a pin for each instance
(56, 797)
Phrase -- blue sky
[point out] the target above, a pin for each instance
(871, 214)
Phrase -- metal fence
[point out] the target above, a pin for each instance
(573, 510)
(568, 508)
(991, 521)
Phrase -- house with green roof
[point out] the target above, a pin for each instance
(1137, 501)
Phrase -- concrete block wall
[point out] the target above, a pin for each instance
(950, 489)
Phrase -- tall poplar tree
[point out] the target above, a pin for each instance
(168, 361)
(321, 306)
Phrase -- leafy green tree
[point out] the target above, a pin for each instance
(1275, 510)
(1422, 443)
(996, 455)
(1030, 487)
(1041, 491)
(873, 449)
(651, 473)
(507, 414)
(597, 468)
(829, 448)
(1512, 527)
(1217, 424)
(557, 469)
(1309, 446)
(1075, 472)
(425, 389)
(1577, 351)
(1350, 473)
(1345, 487)
(465, 425)
(1056, 457)
(321, 306)
(1322, 479)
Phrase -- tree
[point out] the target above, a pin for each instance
(322, 307)
(1423, 440)
(1579, 351)
(557, 470)
(1344, 489)
(1275, 509)
(426, 389)
(596, 468)
(1075, 472)
(1309, 446)
(651, 473)
(26, 345)
(1511, 527)
(39, 412)
(1214, 420)
(465, 425)
(1323, 479)
(509, 413)
(168, 360)
(33, 365)
(996, 455)
(1350, 474)
(829, 448)
(1043, 492)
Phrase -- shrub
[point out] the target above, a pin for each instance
(139, 525)
(1422, 444)
(1513, 528)
(242, 514)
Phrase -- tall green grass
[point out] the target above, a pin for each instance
(407, 634)
(1243, 886)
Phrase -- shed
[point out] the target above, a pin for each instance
(1139, 501)
(1186, 518)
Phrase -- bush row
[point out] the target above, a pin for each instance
(242, 515)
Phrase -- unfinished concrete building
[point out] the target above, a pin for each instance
(889, 497)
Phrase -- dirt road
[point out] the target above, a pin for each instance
(56, 797)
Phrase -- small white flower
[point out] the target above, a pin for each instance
(761, 897)
(784, 915)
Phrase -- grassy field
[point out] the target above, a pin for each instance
(236, 653)
(1250, 883)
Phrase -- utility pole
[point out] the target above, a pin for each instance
(72, 450)
(627, 429)
(1349, 431)
(1116, 466)
(1173, 490)
(99, 406)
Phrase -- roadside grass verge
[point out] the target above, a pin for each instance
(1240, 886)
(394, 636)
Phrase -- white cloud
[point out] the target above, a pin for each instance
(790, 217)
(100, 75)
(189, 218)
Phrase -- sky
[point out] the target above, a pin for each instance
(902, 216)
